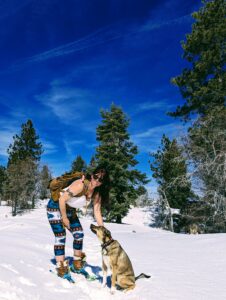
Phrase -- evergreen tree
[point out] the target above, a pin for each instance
(203, 84)
(24, 155)
(25, 145)
(92, 165)
(3, 178)
(170, 171)
(22, 186)
(45, 177)
(203, 88)
(117, 153)
(78, 164)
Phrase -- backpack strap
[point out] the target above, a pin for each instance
(82, 193)
(85, 188)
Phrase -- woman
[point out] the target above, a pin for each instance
(62, 214)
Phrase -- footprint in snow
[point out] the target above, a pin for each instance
(26, 281)
(9, 267)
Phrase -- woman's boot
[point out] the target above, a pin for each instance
(78, 262)
(63, 269)
(78, 267)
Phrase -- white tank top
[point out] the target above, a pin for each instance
(77, 202)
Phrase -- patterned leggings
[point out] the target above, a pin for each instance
(54, 217)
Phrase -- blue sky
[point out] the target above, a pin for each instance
(62, 61)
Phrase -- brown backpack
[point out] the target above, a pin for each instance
(56, 185)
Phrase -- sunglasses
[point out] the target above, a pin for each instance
(97, 178)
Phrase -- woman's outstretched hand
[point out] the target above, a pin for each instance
(66, 222)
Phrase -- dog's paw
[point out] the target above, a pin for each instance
(104, 282)
(113, 290)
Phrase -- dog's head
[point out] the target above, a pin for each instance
(102, 233)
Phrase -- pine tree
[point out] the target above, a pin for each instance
(117, 153)
(170, 171)
(203, 84)
(25, 145)
(92, 165)
(22, 186)
(78, 164)
(45, 177)
(22, 170)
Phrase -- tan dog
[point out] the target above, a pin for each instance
(194, 229)
(115, 259)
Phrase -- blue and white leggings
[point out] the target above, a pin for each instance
(55, 220)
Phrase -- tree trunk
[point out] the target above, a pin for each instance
(171, 228)
(119, 219)
(14, 208)
(33, 202)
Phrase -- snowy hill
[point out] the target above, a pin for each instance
(183, 267)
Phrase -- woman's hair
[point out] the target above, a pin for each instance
(104, 188)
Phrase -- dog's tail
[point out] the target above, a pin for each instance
(142, 275)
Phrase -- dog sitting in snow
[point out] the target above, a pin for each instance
(115, 259)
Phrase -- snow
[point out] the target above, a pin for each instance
(188, 267)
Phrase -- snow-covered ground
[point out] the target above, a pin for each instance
(183, 267)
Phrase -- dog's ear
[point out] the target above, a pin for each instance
(107, 232)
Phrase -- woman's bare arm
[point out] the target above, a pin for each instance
(97, 209)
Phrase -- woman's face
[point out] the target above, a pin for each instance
(96, 180)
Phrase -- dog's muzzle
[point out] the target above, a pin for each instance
(93, 227)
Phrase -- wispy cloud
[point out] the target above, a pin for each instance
(8, 128)
(101, 36)
(67, 103)
(152, 25)
(48, 147)
(149, 140)
(98, 37)
(152, 105)
(6, 138)
(70, 145)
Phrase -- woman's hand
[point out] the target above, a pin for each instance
(76, 187)
(66, 222)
